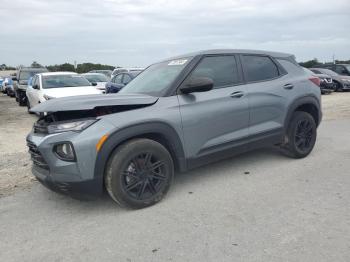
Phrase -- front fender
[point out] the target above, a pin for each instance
(138, 130)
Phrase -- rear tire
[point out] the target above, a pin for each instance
(139, 173)
(301, 135)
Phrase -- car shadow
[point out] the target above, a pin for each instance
(237, 165)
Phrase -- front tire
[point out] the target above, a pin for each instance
(338, 87)
(139, 173)
(301, 135)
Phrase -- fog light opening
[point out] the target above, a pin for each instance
(65, 151)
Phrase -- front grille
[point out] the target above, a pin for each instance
(36, 156)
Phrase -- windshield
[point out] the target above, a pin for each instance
(96, 78)
(58, 81)
(157, 78)
(25, 75)
(348, 67)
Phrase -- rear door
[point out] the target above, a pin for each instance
(217, 119)
(268, 91)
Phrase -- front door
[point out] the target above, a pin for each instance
(217, 119)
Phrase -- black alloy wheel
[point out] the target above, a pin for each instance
(139, 173)
(144, 176)
(303, 135)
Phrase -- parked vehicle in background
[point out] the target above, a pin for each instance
(7, 86)
(107, 73)
(125, 70)
(46, 86)
(97, 79)
(341, 82)
(341, 69)
(1, 88)
(20, 86)
(326, 82)
(120, 80)
(177, 114)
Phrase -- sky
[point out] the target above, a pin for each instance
(141, 32)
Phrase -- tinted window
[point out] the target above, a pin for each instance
(118, 79)
(126, 79)
(25, 75)
(258, 68)
(221, 69)
(340, 70)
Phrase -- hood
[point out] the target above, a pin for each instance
(71, 91)
(88, 102)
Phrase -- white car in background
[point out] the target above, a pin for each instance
(97, 79)
(45, 86)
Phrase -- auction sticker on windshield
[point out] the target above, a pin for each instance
(178, 62)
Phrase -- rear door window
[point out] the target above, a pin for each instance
(259, 68)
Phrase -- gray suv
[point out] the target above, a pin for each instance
(177, 114)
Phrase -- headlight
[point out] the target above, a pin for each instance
(65, 151)
(71, 126)
(48, 97)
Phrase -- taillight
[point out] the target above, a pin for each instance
(315, 80)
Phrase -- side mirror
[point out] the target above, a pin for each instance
(94, 84)
(197, 84)
(14, 78)
(35, 87)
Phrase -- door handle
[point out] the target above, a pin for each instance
(237, 94)
(288, 86)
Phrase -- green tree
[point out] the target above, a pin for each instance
(310, 63)
(36, 64)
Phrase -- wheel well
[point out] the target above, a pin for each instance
(161, 139)
(311, 109)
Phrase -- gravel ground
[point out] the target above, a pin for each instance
(259, 206)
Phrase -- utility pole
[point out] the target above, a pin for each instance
(333, 59)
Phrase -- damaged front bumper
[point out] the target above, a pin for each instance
(75, 178)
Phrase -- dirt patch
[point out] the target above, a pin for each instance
(336, 106)
(15, 164)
